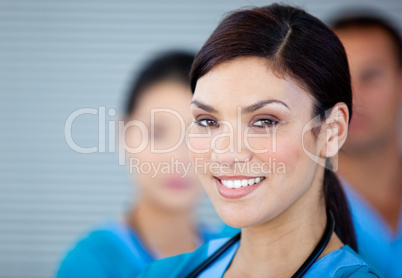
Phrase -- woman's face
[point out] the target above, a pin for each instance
(163, 170)
(247, 142)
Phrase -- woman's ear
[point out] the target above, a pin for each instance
(336, 128)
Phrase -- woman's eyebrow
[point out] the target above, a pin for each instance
(262, 103)
(204, 106)
(247, 109)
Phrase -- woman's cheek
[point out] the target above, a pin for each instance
(199, 147)
(261, 144)
(288, 153)
(282, 152)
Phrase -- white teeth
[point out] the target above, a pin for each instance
(237, 183)
(241, 183)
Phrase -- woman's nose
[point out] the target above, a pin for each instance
(229, 147)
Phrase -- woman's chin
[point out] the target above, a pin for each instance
(176, 205)
(235, 221)
(245, 218)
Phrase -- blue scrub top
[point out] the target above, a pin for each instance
(115, 250)
(376, 243)
(343, 262)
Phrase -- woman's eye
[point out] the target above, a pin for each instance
(262, 123)
(370, 76)
(207, 123)
(157, 133)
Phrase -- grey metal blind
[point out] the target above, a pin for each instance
(60, 56)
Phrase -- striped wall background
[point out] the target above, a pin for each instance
(60, 56)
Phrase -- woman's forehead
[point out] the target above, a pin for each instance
(245, 81)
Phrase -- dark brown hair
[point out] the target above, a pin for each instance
(172, 65)
(297, 45)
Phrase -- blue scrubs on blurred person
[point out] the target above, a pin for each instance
(371, 161)
(166, 196)
(376, 243)
(115, 250)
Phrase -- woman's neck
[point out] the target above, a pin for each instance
(279, 247)
(164, 232)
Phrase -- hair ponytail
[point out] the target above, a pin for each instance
(335, 201)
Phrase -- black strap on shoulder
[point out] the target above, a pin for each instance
(329, 229)
(213, 257)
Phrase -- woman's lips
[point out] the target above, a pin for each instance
(177, 184)
(237, 187)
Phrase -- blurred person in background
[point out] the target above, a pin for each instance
(370, 164)
(161, 222)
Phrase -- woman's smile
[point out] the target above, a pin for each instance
(234, 187)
